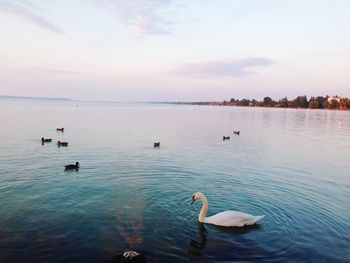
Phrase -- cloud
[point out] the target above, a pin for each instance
(34, 70)
(22, 9)
(51, 71)
(226, 68)
(148, 17)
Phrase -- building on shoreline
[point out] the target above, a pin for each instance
(337, 98)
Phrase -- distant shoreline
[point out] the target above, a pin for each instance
(236, 103)
(220, 104)
(31, 98)
(300, 102)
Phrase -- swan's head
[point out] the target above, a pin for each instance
(196, 196)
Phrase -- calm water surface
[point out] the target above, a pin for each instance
(290, 165)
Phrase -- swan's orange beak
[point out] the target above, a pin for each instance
(193, 200)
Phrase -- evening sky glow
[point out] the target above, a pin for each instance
(167, 50)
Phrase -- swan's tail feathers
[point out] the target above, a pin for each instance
(258, 218)
(253, 220)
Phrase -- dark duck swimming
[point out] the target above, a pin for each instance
(59, 144)
(45, 140)
(72, 166)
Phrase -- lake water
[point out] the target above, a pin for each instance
(292, 166)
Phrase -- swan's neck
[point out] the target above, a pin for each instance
(204, 209)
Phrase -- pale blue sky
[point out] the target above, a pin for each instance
(167, 50)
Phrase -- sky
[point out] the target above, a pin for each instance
(173, 50)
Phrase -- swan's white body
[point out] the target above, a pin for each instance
(226, 218)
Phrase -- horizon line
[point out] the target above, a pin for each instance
(115, 101)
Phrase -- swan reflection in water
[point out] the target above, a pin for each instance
(203, 238)
(211, 243)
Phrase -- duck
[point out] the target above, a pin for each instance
(60, 129)
(156, 144)
(45, 140)
(72, 166)
(236, 132)
(227, 218)
(225, 138)
(59, 143)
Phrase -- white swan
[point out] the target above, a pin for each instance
(226, 218)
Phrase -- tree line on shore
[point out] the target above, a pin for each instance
(319, 102)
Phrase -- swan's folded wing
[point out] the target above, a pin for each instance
(232, 218)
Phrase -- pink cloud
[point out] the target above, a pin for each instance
(22, 11)
(226, 68)
(144, 16)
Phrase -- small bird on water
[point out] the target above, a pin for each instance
(59, 143)
(72, 166)
(43, 140)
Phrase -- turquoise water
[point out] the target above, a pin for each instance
(290, 165)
